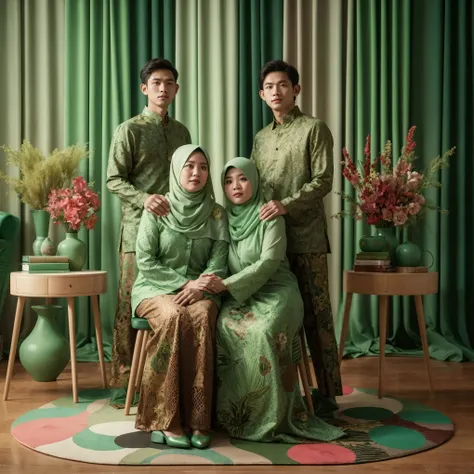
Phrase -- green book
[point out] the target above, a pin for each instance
(373, 256)
(44, 267)
(44, 259)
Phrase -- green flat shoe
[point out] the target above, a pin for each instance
(173, 441)
(200, 441)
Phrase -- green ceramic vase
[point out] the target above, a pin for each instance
(410, 255)
(391, 241)
(45, 352)
(372, 243)
(75, 249)
(41, 226)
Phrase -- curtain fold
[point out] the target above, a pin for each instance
(206, 58)
(315, 41)
(260, 39)
(31, 94)
(442, 101)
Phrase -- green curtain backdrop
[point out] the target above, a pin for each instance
(367, 67)
(412, 65)
(107, 44)
(442, 102)
(206, 58)
(31, 98)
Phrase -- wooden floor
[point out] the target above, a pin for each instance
(405, 378)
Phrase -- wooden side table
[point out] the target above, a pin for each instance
(58, 285)
(384, 285)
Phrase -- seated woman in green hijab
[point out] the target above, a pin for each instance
(173, 253)
(257, 341)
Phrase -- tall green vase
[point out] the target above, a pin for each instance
(41, 226)
(45, 352)
(391, 241)
(75, 249)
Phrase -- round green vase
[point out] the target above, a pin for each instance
(45, 352)
(74, 249)
(41, 226)
(372, 243)
(408, 254)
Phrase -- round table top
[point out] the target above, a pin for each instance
(58, 285)
(390, 283)
(82, 273)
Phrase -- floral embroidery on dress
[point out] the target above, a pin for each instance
(264, 366)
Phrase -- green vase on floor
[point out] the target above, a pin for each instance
(45, 352)
(41, 226)
(75, 249)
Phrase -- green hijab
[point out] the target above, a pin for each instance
(196, 215)
(244, 218)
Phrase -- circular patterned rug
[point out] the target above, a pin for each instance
(92, 431)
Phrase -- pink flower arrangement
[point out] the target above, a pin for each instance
(393, 195)
(74, 206)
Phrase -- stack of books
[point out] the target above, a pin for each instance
(44, 264)
(373, 262)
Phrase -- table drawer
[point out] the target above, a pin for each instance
(73, 286)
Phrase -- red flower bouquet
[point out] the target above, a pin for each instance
(74, 206)
(393, 195)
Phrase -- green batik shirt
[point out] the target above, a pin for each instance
(167, 259)
(295, 161)
(139, 165)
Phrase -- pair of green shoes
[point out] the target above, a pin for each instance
(183, 442)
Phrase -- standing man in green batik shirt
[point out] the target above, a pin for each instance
(294, 155)
(138, 173)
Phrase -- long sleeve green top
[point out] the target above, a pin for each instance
(253, 266)
(167, 260)
(295, 161)
(139, 165)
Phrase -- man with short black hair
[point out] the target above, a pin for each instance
(294, 155)
(138, 173)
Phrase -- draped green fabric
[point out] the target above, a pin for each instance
(260, 40)
(411, 66)
(107, 44)
(32, 39)
(442, 100)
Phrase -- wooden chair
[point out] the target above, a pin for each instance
(139, 357)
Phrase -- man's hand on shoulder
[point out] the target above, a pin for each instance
(272, 209)
(157, 204)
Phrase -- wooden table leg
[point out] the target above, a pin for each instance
(345, 325)
(424, 339)
(72, 346)
(16, 333)
(98, 335)
(383, 317)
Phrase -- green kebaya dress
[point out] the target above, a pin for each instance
(177, 383)
(258, 395)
